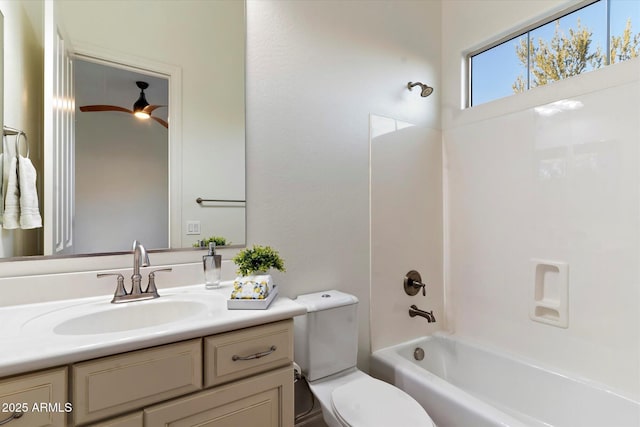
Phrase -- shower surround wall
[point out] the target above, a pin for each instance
(551, 174)
(406, 228)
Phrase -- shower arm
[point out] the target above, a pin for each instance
(426, 90)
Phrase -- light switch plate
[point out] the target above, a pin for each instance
(193, 227)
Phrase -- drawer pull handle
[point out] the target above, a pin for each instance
(254, 356)
(14, 416)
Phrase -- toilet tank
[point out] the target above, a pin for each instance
(326, 338)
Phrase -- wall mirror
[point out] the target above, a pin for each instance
(198, 48)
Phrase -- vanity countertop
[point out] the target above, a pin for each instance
(33, 336)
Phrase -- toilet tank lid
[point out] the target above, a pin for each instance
(325, 300)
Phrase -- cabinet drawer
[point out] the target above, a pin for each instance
(247, 352)
(132, 420)
(112, 385)
(265, 400)
(41, 396)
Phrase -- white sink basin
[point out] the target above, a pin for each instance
(131, 316)
(103, 317)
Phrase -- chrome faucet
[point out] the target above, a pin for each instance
(140, 259)
(415, 311)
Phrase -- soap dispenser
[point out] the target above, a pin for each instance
(212, 264)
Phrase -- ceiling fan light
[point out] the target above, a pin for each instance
(141, 115)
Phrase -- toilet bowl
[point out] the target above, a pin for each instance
(326, 348)
(354, 399)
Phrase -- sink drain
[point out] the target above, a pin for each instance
(418, 353)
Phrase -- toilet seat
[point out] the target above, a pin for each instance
(368, 402)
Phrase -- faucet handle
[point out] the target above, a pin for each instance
(120, 290)
(151, 287)
(419, 285)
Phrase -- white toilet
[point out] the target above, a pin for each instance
(326, 348)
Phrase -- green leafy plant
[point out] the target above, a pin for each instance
(258, 258)
(218, 240)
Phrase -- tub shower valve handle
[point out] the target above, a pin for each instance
(413, 283)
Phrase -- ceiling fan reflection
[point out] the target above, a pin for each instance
(141, 108)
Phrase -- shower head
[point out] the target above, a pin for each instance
(426, 90)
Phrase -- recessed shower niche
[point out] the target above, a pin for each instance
(550, 293)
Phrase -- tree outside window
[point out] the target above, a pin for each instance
(553, 52)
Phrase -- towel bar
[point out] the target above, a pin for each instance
(199, 200)
(9, 131)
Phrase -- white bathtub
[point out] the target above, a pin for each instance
(465, 385)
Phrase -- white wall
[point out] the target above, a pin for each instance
(23, 62)
(524, 184)
(315, 71)
(121, 178)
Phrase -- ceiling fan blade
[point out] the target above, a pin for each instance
(89, 108)
(162, 122)
(149, 108)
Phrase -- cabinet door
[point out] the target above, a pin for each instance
(41, 397)
(118, 384)
(265, 400)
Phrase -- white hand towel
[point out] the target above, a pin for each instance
(5, 160)
(11, 214)
(29, 209)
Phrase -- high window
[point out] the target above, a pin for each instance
(597, 34)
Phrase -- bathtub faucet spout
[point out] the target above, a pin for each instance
(415, 311)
